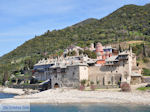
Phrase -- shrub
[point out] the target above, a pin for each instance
(83, 82)
(146, 72)
(143, 88)
(92, 87)
(125, 87)
(109, 82)
(82, 87)
(145, 60)
(88, 85)
(119, 82)
(90, 54)
(97, 82)
(91, 82)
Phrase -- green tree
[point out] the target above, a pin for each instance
(90, 54)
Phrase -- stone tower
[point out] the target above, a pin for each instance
(99, 50)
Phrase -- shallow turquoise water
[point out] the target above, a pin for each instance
(6, 95)
(89, 108)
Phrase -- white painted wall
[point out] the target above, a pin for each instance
(83, 73)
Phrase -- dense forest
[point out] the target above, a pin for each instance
(129, 22)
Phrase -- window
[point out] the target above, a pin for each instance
(73, 73)
(63, 75)
(63, 70)
(55, 75)
(54, 70)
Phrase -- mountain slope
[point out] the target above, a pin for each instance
(130, 22)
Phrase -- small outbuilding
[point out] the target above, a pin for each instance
(136, 78)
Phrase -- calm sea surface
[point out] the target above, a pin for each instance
(89, 108)
(6, 95)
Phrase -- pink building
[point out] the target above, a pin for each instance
(103, 53)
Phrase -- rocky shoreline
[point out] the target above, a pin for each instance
(11, 90)
(69, 96)
(17, 91)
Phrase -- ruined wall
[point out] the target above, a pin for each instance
(104, 76)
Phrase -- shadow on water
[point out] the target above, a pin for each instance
(89, 108)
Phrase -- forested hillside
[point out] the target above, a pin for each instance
(130, 22)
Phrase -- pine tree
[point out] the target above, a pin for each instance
(120, 49)
(144, 52)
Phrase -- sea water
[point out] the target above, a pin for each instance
(89, 108)
(6, 95)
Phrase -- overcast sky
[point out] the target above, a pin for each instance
(21, 20)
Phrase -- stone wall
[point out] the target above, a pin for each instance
(40, 76)
(136, 80)
(67, 78)
(103, 78)
(31, 86)
(146, 79)
(111, 74)
(71, 77)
